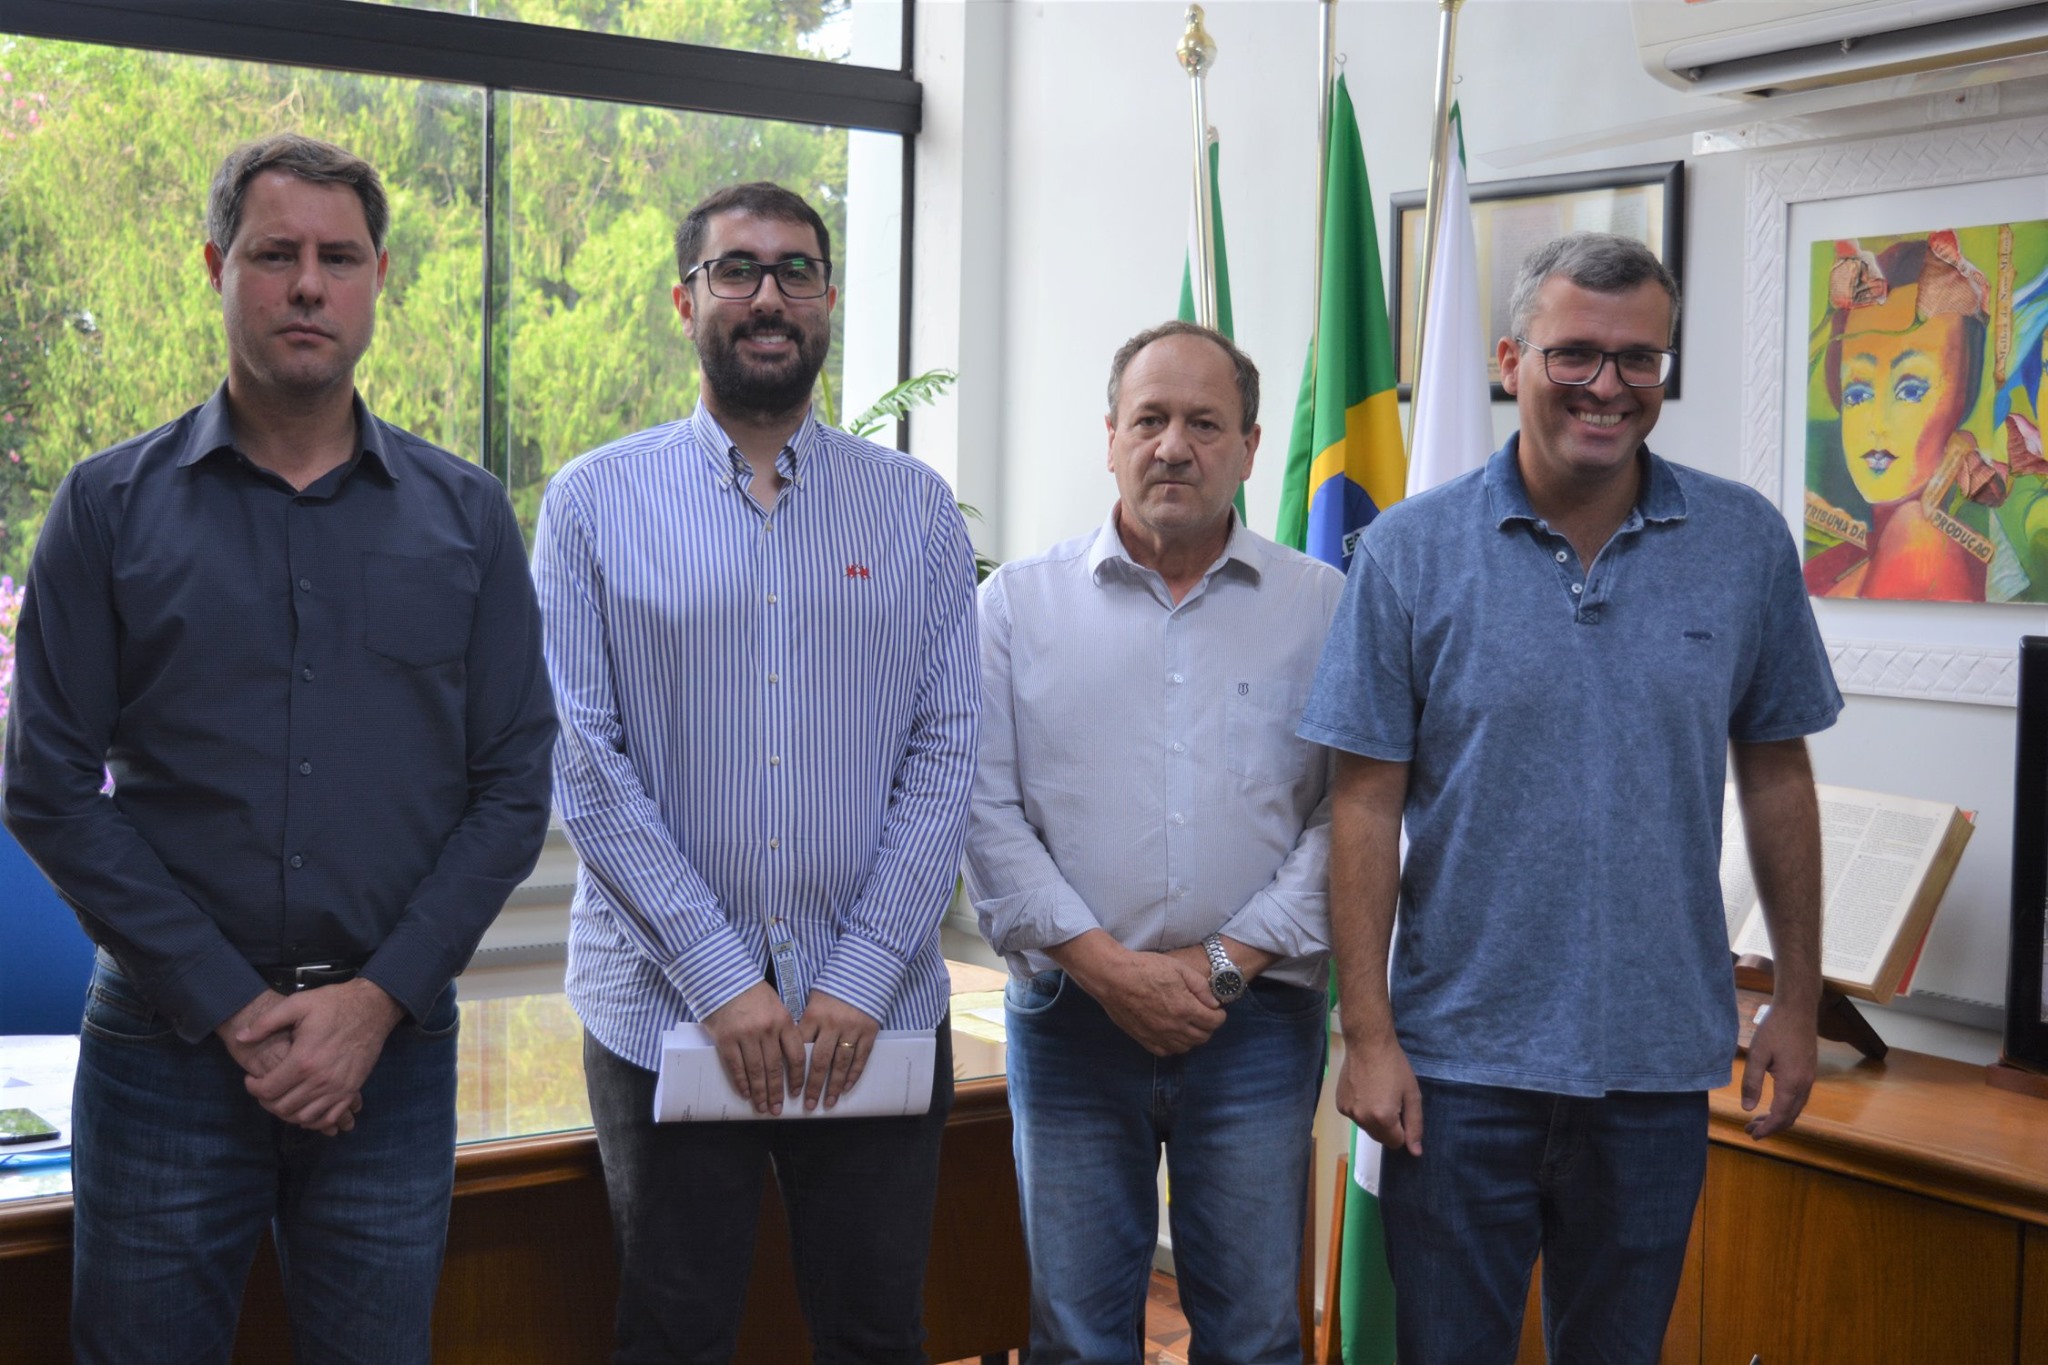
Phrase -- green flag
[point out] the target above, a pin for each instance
(1224, 322)
(1345, 460)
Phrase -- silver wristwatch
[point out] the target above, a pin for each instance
(1226, 982)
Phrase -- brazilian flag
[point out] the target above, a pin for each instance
(1345, 461)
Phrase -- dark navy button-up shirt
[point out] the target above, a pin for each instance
(325, 713)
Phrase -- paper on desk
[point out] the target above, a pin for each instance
(35, 1073)
(692, 1086)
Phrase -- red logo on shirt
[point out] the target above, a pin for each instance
(857, 571)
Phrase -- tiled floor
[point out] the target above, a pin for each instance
(1166, 1331)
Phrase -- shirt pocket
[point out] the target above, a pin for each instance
(1259, 718)
(417, 609)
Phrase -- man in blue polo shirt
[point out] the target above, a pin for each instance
(1542, 667)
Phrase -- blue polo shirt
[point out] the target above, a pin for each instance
(1567, 731)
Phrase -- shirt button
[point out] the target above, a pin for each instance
(1561, 556)
(775, 843)
(771, 599)
(305, 585)
(768, 525)
(297, 861)
(1179, 747)
(1179, 819)
(1578, 588)
(1180, 892)
(306, 673)
(775, 760)
(306, 769)
(774, 678)
(1176, 677)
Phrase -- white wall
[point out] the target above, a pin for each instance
(1052, 217)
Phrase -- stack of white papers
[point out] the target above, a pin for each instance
(692, 1086)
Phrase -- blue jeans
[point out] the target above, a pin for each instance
(1605, 1188)
(1093, 1109)
(686, 1199)
(177, 1172)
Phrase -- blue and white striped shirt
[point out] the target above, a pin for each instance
(768, 724)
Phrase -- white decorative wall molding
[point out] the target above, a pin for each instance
(1921, 672)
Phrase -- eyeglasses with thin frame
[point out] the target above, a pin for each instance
(1578, 366)
(739, 277)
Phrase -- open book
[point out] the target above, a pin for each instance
(1885, 861)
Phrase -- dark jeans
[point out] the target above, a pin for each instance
(1605, 1188)
(1092, 1111)
(685, 1198)
(177, 1172)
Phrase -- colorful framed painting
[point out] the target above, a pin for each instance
(1891, 346)
(1923, 461)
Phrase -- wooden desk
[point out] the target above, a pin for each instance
(530, 1275)
(1903, 1220)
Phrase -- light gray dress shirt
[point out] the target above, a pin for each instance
(1140, 771)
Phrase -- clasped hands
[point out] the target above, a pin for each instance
(762, 1048)
(1161, 999)
(309, 1054)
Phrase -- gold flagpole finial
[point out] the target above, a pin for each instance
(1197, 50)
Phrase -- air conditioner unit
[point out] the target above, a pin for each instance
(1756, 49)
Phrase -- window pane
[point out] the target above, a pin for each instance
(107, 325)
(859, 32)
(592, 344)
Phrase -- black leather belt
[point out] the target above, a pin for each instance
(290, 980)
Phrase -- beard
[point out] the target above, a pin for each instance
(762, 390)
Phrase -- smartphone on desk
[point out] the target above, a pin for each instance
(24, 1125)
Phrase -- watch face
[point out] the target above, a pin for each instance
(1226, 985)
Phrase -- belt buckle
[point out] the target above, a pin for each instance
(302, 973)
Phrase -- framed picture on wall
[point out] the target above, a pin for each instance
(1859, 257)
(1511, 218)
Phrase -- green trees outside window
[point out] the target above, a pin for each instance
(107, 327)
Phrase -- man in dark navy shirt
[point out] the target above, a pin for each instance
(305, 645)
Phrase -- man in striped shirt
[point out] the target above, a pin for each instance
(762, 635)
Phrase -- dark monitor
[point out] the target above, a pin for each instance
(2026, 990)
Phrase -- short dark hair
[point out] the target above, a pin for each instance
(1247, 374)
(1599, 261)
(762, 199)
(308, 158)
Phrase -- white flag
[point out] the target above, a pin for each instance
(1453, 397)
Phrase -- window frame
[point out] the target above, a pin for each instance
(509, 56)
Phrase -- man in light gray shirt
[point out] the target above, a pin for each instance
(1148, 849)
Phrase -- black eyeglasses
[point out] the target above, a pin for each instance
(1579, 366)
(739, 277)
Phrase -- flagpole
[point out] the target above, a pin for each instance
(1197, 53)
(1433, 205)
(1326, 67)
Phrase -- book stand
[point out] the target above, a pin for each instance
(1840, 1020)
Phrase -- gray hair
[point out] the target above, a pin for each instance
(1599, 261)
(309, 159)
(1246, 373)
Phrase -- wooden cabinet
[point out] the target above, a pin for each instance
(530, 1280)
(2034, 1298)
(1806, 1268)
(1904, 1220)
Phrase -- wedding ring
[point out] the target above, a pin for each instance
(846, 1045)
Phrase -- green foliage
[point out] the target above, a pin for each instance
(915, 392)
(108, 329)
